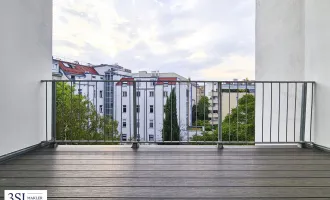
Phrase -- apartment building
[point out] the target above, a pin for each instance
(101, 94)
(231, 93)
(152, 91)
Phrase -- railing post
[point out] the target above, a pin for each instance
(303, 114)
(135, 144)
(53, 119)
(220, 145)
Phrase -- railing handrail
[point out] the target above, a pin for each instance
(180, 81)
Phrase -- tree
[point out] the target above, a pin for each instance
(77, 118)
(239, 125)
(171, 129)
(193, 118)
(203, 108)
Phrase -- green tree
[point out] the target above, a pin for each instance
(77, 118)
(193, 118)
(238, 125)
(203, 108)
(206, 124)
(171, 129)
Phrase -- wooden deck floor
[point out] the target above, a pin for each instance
(170, 172)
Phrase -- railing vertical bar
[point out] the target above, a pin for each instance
(303, 113)
(287, 112)
(88, 106)
(237, 97)
(271, 112)
(279, 112)
(54, 109)
(146, 138)
(130, 109)
(46, 112)
(196, 103)
(263, 110)
(311, 118)
(79, 106)
(229, 133)
(163, 111)
(138, 113)
(179, 109)
(112, 89)
(220, 115)
(155, 132)
(171, 95)
(134, 116)
(204, 108)
(295, 113)
(63, 98)
(246, 111)
(212, 97)
(96, 109)
(121, 115)
(71, 91)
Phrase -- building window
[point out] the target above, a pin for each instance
(124, 84)
(124, 108)
(101, 108)
(93, 76)
(151, 123)
(151, 93)
(101, 94)
(101, 78)
(79, 91)
(152, 83)
(124, 137)
(138, 93)
(151, 138)
(151, 109)
(137, 108)
(124, 123)
(165, 84)
(124, 94)
(165, 94)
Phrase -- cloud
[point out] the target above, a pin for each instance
(201, 39)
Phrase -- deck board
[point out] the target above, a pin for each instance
(171, 172)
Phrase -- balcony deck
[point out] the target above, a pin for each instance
(171, 172)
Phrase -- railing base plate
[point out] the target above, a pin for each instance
(220, 146)
(135, 145)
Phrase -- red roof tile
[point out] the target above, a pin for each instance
(128, 80)
(78, 69)
(169, 80)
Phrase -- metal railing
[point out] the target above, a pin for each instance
(174, 112)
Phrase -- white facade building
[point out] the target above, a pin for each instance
(152, 93)
(100, 94)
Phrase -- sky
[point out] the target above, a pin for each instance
(198, 39)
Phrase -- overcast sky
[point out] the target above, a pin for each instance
(201, 39)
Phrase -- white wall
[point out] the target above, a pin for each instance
(292, 43)
(317, 41)
(26, 58)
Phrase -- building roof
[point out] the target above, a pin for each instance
(75, 68)
(169, 80)
(122, 80)
(160, 81)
